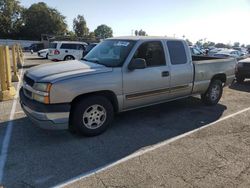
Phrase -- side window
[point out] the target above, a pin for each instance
(152, 52)
(69, 46)
(177, 52)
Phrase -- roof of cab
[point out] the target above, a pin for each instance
(136, 38)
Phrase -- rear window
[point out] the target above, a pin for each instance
(177, 52)
(53, 45)
(69, 46)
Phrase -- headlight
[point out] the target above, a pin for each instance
(42, 87)
(41, 92)
(40, 98)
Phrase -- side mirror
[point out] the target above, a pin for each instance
(137, 63)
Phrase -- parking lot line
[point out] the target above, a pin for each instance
(143, 151)
(7, 135)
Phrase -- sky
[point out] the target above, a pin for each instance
(224, 21)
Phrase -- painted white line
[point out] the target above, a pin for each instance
(6, 140)
(143, 151)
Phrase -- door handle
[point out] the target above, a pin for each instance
(165, 74)
(66, 51)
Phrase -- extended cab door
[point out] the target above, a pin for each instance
(182, 70)
(149, 85)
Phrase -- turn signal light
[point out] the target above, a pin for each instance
(56, 52)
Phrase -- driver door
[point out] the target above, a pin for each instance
(150, 85)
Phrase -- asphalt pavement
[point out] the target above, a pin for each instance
(216, 156)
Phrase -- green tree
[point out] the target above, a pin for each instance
(80, 26)
(199, 43)
(220, 45)
(208, 44)
(103, 31)
(10, 18)
(236, 44)
(142, 33)
(41, 19)
(91, 36)
(189, 42)
(136, 32)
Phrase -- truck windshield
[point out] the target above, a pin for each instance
(110, 53)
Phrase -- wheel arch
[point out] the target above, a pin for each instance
(221, 76)
(68, 56)
(110, 95)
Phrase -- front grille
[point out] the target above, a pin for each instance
(28, 80)
(246, 65)
(27, 93)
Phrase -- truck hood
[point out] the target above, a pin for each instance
(63, 70)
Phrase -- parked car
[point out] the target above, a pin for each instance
(35, 47)
(66, 50)
(242, 51)
(43, 53)
(196, 51)
(89, 48)
(228, 53)
(120, 74)
(242, 70)
(214, 51)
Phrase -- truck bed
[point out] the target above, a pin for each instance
(202, 58)
(206, 67)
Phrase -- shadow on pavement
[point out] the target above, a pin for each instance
(35, 58)
(43, 158)
(245, 86)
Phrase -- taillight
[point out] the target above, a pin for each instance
(56, 52)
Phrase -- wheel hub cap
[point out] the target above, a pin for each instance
(94, 116)
(215, 92)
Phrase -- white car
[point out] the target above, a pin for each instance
(66, 50)
(43, 53)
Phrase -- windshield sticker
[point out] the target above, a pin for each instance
(122, 43)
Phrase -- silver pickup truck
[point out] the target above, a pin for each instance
(120, 74)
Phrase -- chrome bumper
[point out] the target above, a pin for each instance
(51, 121)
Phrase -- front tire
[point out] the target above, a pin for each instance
(68, 58)
(91, 116)
(213, 94)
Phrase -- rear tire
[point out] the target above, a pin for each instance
(68, 58)
(240, 79)
(213, 94)
(91, 116)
